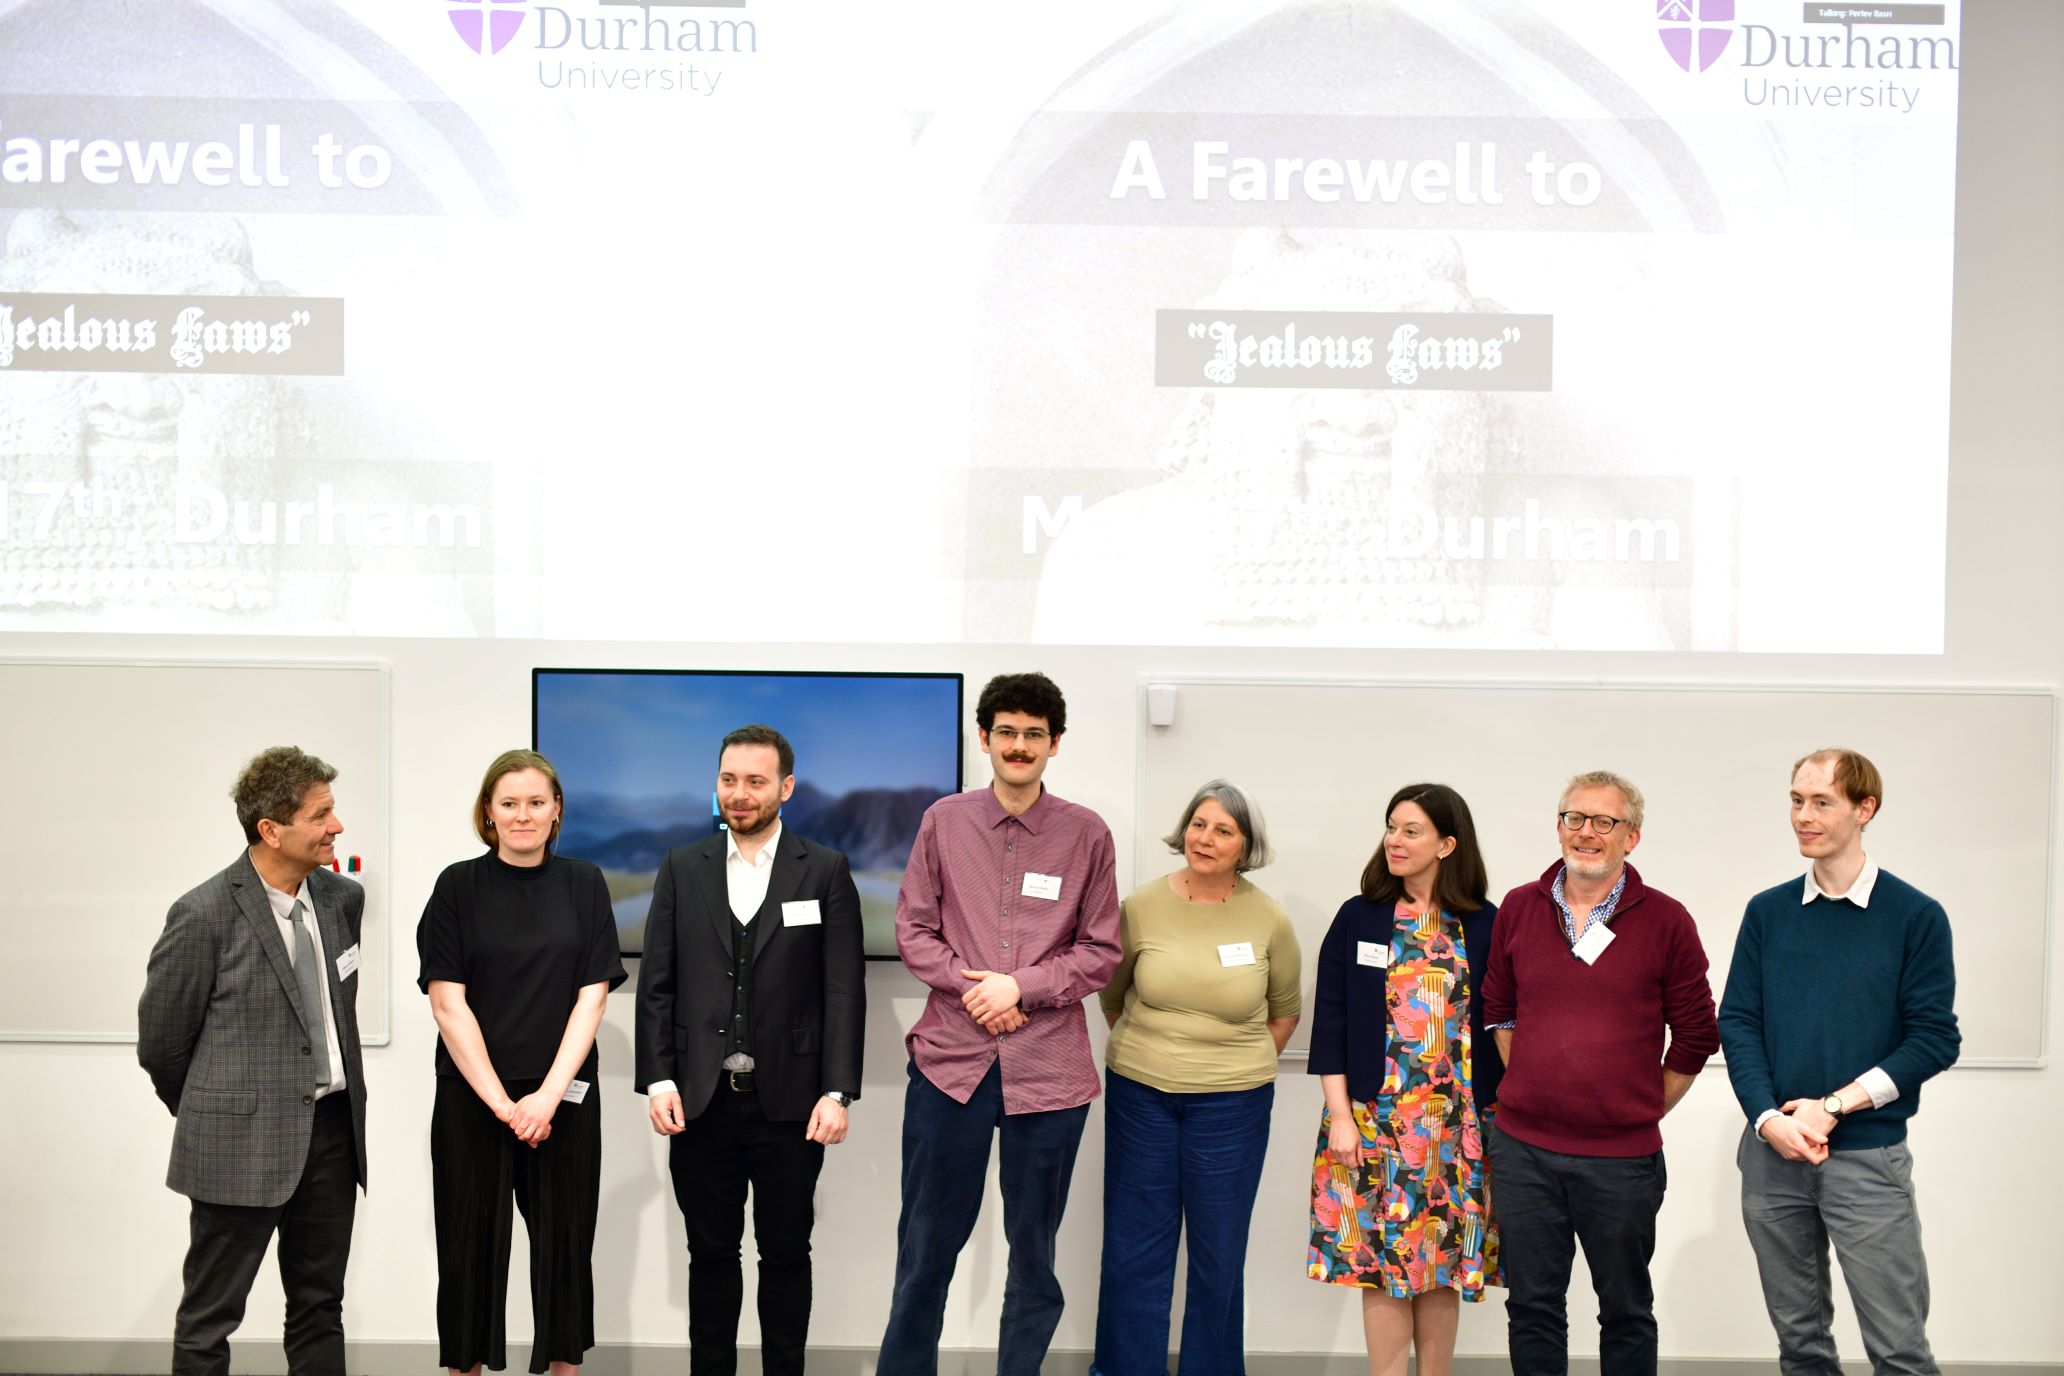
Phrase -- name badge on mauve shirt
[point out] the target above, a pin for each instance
(1591, 945)
(1376, 953)
(1041, 886)
(802, 913)
(1236, 953)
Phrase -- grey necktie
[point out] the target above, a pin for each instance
(308, 974)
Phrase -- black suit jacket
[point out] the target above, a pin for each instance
(809, 994)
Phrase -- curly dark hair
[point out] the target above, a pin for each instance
(1035, 695)
(273, 784)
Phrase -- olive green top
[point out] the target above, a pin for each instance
(1193, 1015)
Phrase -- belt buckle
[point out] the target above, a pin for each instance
(737, 1088)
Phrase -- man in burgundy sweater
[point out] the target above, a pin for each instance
(1589, 967)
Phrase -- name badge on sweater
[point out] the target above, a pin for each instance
(576, 1091)
(1591, 945)
(1041, 886)
(1376, 953)
(347, 964)
(802, 913)
(1236, 953)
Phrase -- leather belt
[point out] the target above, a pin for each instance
(741, 1081)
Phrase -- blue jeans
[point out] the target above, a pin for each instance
(1173, 1161)
(945, 1165)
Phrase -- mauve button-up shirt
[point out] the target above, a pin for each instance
(973, 899)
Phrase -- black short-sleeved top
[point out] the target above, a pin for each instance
(524, 940)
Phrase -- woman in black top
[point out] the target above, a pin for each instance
(519, 954)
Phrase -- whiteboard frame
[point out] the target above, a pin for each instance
(2039, 1061)
(384, 836)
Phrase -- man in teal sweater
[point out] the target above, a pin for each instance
(1839, 1006)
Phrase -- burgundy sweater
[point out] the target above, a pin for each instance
(1585, 1075)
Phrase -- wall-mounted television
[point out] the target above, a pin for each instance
(636, 751)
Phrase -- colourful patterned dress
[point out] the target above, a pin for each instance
(1414, 1217)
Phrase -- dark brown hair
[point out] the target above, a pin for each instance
(1460, 884)
(273, 784)
(759, 733)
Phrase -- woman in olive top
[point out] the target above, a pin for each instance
(519, 953)
(1400, 1204)
(1204, 999)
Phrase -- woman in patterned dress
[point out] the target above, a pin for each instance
(1400, 1201)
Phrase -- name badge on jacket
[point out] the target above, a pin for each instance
(802, 913)
(347, 964)
(1372, 953)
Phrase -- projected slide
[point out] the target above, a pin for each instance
(1564, 325)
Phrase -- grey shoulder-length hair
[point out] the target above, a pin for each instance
(1246, 815)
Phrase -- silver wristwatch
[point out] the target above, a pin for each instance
(839, 1097)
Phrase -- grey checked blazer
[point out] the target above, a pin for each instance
(221, 1032)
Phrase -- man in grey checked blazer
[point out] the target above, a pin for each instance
(248, 1027)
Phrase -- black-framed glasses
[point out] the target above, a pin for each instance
(1600, 823)
(1038, 735)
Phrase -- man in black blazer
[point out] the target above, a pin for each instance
(751, 1004)
(248, 1027)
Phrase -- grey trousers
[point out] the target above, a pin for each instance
(1862, 1201)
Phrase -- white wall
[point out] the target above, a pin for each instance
(95, 1239)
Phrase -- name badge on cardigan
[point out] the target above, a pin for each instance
(1376, 953)
(1591, 945)
(802, 913)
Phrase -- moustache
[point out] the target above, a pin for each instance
(1018, 759)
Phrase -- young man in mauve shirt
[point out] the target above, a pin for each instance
(1009, 911)
(1590, 969)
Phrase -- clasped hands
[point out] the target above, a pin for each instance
(994, 1002)
(1800, 1131)
(530, 1117)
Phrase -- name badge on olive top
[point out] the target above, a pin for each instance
(1591, 945)
(1376, 953)
(1041, 886)
(802, 913)
(1236, 953)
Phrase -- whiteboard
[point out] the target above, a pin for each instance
(117, 802)
(1966, 815)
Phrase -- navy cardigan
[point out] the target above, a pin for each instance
(1350, 1032)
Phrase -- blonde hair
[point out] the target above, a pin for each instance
(1637, 807)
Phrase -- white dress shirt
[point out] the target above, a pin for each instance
(283, 913)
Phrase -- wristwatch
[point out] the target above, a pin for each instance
(839, 1097)
(1833, 1105)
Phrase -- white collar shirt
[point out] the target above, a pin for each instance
(745, 881)
(1859, 892)
(283, 914)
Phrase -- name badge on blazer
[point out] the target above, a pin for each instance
(1372, 953)
(347, 964)
(802, 913)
